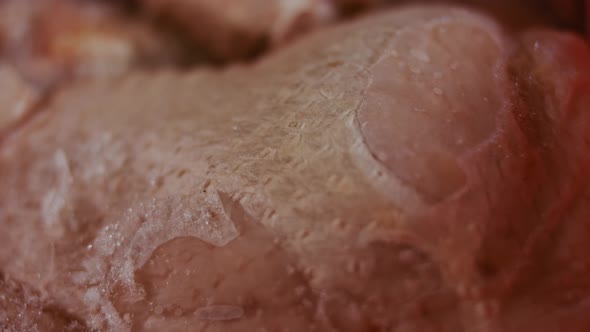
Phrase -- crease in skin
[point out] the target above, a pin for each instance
(568, 88)
(551, 210)
(468, 146)
(411, 199)
(378, 130)
(532, 110)
(559, 140)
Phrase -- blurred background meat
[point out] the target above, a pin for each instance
(237, 29)
(47, 41)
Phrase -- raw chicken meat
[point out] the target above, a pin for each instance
(423, 169)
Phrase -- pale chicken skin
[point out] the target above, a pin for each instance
(418, 170)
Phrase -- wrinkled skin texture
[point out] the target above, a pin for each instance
(421, 170)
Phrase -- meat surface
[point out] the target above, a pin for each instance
(419, 170)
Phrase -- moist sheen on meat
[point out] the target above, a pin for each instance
(418, 170)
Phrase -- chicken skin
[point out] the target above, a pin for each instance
(423, 169)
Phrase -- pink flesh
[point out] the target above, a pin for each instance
(328, 187)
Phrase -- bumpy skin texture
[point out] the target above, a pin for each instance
(421, 170)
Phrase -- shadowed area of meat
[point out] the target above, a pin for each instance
(231, 29)
(314, 190)
(238, 30)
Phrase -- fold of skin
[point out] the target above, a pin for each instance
(420, 170)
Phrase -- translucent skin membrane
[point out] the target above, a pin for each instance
(313, 190)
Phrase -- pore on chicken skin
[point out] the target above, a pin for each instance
(421, 169)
